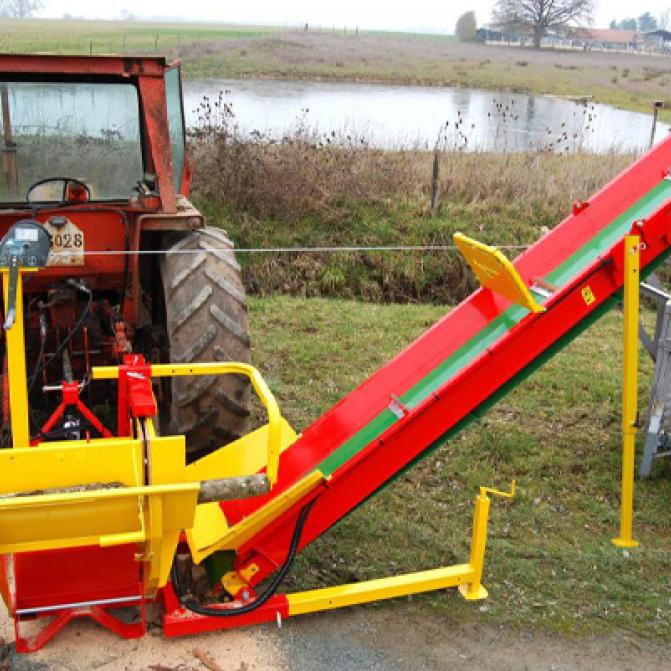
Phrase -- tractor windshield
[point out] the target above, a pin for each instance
(86, 131)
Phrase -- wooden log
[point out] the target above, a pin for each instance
(227, 489)
(206, 660)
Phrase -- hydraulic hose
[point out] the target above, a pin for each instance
(280, 575)
(39, 367)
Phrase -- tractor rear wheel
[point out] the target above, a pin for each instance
(206, 320)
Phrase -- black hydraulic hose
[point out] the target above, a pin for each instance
(33, 378)
(270, 590)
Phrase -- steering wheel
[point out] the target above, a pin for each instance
(66, 182)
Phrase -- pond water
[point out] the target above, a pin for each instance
(405, 116)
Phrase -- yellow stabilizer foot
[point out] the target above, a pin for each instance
(625, 542)
(473, 595)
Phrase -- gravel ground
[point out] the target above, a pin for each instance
(388, 637)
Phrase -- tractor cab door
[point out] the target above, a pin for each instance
(175, 108)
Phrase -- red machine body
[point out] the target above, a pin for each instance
(452, 373)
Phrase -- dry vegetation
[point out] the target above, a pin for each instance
(314, 190)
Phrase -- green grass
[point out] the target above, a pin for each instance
(549, 562)
(113, 37)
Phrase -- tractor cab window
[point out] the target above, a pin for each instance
(85, 131)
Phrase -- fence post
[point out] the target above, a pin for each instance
(656, 106)
(435, 175)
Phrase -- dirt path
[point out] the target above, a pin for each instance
(402, 638)
(83, 646)
(395, 637)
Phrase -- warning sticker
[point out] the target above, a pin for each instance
(588, 295)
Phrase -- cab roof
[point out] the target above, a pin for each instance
(104, 66)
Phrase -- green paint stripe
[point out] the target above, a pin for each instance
(505, 389)
(499, 326)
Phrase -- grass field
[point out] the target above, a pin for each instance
(550, 562)
(211, 50)
(114, 37)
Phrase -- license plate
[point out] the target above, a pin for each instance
(67, 245)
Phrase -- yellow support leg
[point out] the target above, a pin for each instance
(473, 590)
(467, 577)
(629, 388)
(16, 364)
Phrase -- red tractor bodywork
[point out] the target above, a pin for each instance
(123, 282)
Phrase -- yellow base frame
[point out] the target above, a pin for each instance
(383, 588)
(467, 577)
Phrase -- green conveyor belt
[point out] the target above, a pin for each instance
(560, 277)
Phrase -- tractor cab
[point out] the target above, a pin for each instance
(94, 153)
(115, 126)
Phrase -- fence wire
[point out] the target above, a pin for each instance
(279, 250)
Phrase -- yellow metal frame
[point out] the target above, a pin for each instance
(120, 508)
(43, 507)
(629, 388)
(37, 512)
(467, 577)
(16, 357)
(227, 368)
(496, 272)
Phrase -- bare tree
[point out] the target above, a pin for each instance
(19, 9)
(538, 16)
(466, 27)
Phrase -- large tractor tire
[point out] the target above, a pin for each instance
(206, 320)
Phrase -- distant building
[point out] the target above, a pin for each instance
(487, 35)
(606, 38)
(658, 40)
(598, 39)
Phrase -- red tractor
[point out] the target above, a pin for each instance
(94, 150)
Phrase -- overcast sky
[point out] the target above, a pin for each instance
(433, 14)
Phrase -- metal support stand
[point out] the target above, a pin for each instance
(16, 354)
(629, 388)
(658, 434)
